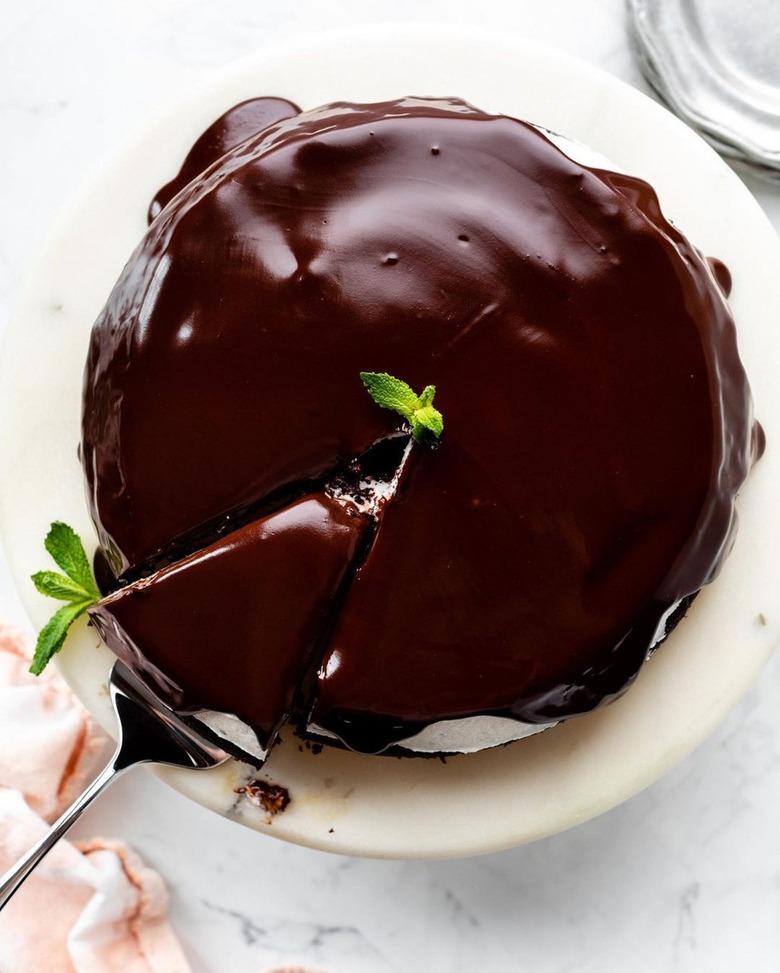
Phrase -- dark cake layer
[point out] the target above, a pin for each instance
(598, 422)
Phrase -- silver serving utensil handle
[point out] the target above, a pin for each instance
(15, 875)
(149, 732)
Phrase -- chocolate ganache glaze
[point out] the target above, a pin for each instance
(598, 422)
(239, 123)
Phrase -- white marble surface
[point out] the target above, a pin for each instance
(686, 877)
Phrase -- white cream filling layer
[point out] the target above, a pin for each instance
(466, 735)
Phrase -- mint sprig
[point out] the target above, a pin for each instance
(426, 422)
(76, 587)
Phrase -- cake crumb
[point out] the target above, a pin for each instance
(271, 797)
(761, 619)
(310, 746)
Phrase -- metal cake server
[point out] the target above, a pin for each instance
(149, 732)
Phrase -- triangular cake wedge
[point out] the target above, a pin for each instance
(234, 628)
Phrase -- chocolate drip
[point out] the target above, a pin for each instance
(229, 130)
(722, 274)
(598, 420)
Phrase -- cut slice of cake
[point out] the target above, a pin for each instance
(234, 627)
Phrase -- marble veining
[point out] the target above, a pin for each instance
(683, 878)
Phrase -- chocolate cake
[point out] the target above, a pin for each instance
(598, 424)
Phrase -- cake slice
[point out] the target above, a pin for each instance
(234, 627)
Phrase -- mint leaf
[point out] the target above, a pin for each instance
(76, 586)
(427, 423)
(390, 393)
(52, 635)
(64, 545)
(426, 396)
(56, 585)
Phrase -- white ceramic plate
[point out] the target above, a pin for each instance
(416, 807)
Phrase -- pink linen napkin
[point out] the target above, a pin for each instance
(88, 908)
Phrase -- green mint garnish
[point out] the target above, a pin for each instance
(77, 587)
(427, 423)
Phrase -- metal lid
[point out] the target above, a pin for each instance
(716, 64)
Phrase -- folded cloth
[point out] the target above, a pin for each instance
(48, 744)
(88, 908)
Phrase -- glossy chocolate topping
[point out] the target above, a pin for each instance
(239, 123)
(233, 628)
(598, 422)
(721, 273)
